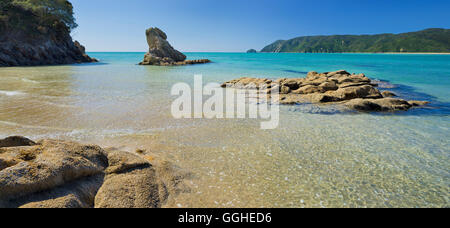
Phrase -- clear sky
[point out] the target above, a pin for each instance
(238, 25)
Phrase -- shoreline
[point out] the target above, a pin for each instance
(383, 53)
(399, 53)
(388, 53)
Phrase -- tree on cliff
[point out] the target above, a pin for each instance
(37, 16)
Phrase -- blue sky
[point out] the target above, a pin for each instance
(236, 26)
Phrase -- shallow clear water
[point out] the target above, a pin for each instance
(318, 157)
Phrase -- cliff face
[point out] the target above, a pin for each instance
(38, 33)
(17, 49)
(430, 40)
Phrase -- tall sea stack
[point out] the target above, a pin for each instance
(161, 53)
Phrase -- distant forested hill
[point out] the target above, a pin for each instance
(429, 40)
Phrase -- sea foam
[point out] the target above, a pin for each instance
(29, 81)
(11, 93)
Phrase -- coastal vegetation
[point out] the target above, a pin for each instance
(429, 40)
(37, 17)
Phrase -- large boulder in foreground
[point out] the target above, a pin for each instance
(161, 53)
(60, 174)
(356, 91)
(131, 182)
(46, 166)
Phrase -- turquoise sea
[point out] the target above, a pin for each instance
(318, 157)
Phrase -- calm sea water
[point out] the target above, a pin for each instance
(318, 157)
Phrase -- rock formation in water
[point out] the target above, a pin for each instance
(356, 91)
(60, 174)
(161, 53)
(252, 51)
(31, 37)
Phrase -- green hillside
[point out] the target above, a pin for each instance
(36, 18)
(429, 40)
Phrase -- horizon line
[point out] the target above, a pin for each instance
(181, 51)
(237, 52)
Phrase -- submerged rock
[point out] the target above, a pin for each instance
(418, 103)
(60, 174)
(161, 53)
(388, 94)
(356, 91)
(15, 141)
(246, 82)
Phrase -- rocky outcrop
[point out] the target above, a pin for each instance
(160, 47)
(356, 91)
(252, 51)
(18, 50)
(161, 53)
(34, 33)
(60, 174)
(186, 62)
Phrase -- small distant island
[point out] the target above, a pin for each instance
(38, 33)
(252, 51)
(425, 41)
